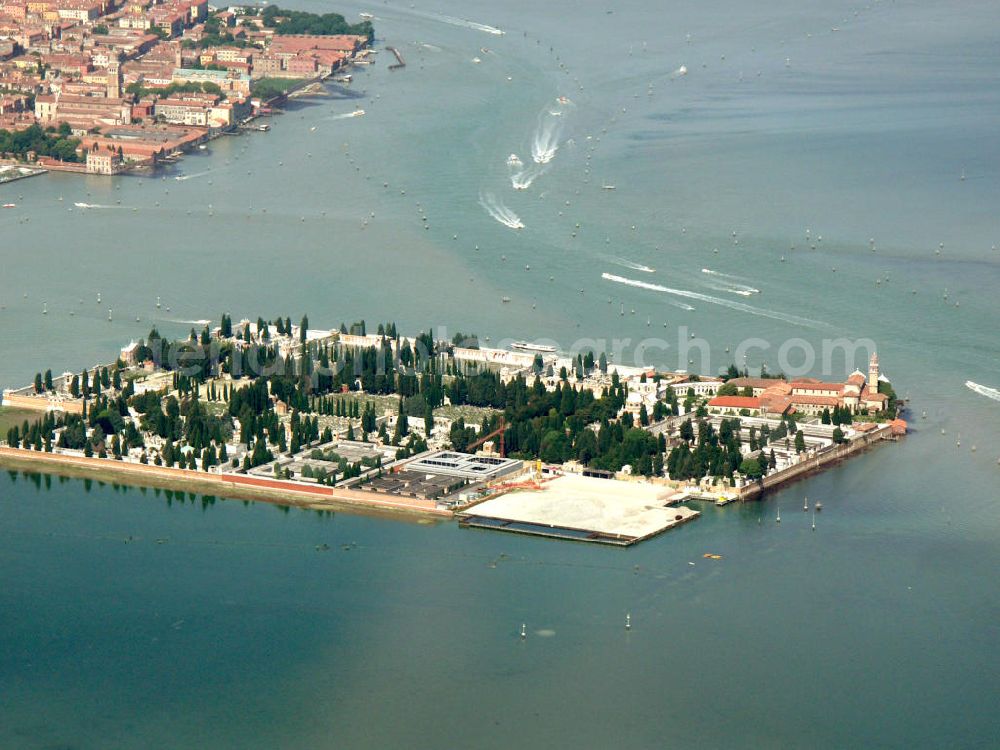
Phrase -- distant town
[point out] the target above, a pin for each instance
(523, 439)
(100, 87)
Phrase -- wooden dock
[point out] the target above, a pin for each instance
(400, 62)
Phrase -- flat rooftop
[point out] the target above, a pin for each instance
(415, 484)
(465, 465)
(584, 509)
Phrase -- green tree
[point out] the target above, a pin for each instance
(800, 442)
(687, 431)
(750, 467)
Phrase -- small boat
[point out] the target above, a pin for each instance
(608, 187)
(365, 16)
(562, 100)
(819, 506)
(10, 205)
(505, 299)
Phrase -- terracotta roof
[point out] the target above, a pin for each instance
(736, 402)
(856, 378)
(817, 385)
(815, 400)
(776, 402)
(868, 395)
(780, 388)
(755, 382)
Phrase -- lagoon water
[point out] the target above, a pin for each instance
(879, 629)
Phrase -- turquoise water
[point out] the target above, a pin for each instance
(878, 629)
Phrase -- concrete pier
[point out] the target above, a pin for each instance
(582, 509)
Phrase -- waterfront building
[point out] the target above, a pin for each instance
(106, 160)
(812, 396)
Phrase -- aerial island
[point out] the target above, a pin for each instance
(524, 439)
(104, 86)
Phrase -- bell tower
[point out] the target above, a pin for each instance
(114, 80)
(873, 373)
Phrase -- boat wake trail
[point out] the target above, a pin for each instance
(182, 177)
(725, 282)
(629, 264)
(739, 306)
(720, 274)
(545, 142)
(472, 25)
(499, 211)
(983, 390)
(346, 115)
(189, 322)
(461, 22)
(93, 205)
(521, 178)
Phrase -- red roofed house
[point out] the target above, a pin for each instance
(814, 404)
(735, 405)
